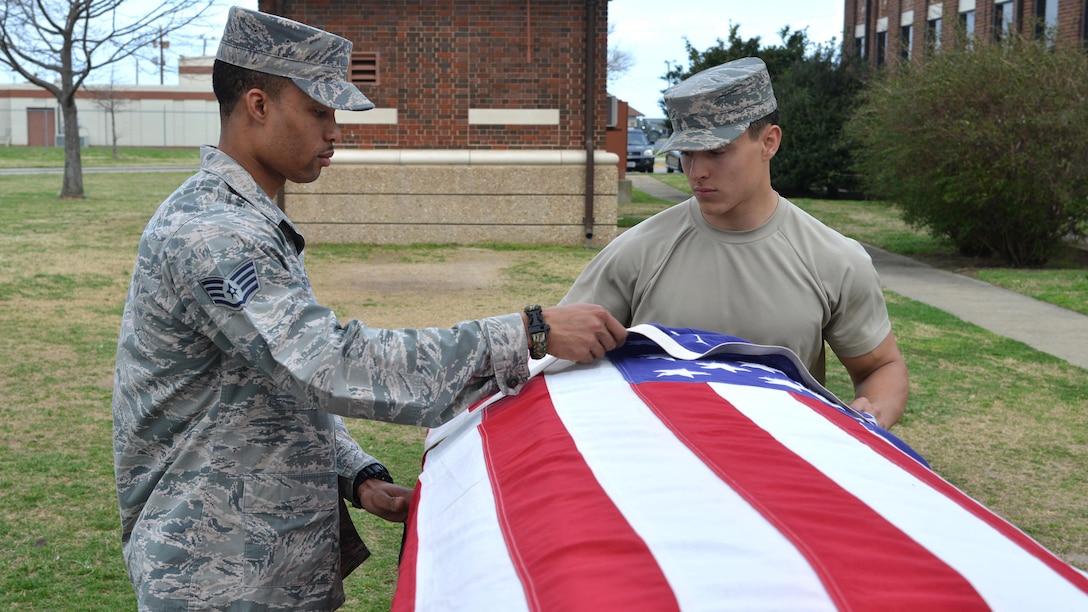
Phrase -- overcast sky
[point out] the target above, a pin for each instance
(650, 31)
(653, 34)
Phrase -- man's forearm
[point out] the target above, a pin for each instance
(885, 390)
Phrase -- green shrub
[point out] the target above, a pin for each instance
(815, 97)
(985, 144)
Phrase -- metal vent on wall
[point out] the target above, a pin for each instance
(364, 68)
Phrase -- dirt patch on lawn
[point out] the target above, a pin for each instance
(459, 270)
(439, 289)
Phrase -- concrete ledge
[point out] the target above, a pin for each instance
(457, 196)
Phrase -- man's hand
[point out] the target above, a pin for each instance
(385, 499)
(582, 332)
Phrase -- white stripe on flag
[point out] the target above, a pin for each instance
(1004, 575)
(677, 505)
(463, 562)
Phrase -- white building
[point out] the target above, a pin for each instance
(182, 115)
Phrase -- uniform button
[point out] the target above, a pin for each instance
(513, 381)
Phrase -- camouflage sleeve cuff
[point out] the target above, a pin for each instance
(509, 348)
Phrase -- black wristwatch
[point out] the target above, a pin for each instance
(538, 331)
(374, 470)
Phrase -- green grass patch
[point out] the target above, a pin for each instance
(675, 180)
(641, 206)
(94, 157)
(1067, 288)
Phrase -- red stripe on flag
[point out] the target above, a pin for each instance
(581, 554)
(969, 504)
(404, 599)
(864, 561)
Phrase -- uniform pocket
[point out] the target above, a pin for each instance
(291, 529)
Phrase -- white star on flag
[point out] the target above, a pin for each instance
(728, 367)
(784, 382)
(758, 366)
(686, 373)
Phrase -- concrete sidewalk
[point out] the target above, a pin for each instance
(1045, 327)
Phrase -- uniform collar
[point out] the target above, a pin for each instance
(216, 162)
(768, 227)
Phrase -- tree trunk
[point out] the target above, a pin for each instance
(73, 162)
(113, 126)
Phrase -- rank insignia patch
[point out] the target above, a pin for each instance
(235, 290)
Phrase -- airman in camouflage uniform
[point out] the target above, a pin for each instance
(231, 457)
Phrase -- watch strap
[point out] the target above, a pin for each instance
(538, 331)
(374, 470)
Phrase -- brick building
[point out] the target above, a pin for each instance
(459, 74)
(883, 30)
(490, 123)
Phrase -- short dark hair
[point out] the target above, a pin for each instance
(229, 82)
(756, 127)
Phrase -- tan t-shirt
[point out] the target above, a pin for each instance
(792, 282)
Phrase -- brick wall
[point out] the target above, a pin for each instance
(437, 59)
(1070, 22)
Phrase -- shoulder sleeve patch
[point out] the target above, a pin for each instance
(236, 289)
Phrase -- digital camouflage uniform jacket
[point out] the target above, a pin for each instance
(230, 456)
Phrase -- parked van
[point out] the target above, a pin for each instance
(654, 128)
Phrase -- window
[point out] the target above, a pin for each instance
(1046, 20)
(881, 47)
(906, 40)
(1084, 24)
(933, 34)
(1004, 19)
(363, 69)
(859, 47)
(967, 26)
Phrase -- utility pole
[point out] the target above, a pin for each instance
(205, 38)
(162, 46)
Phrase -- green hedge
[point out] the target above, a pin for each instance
(985, 144)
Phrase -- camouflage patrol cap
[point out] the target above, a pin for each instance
(314, 59)
(712, 108)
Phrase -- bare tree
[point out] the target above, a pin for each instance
(110, 99)
(69, 39)
(619, 61)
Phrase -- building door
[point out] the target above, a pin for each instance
(41, 127)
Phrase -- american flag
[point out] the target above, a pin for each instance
(693, 471)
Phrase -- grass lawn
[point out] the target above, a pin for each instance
(1004, 422)
(95, 157)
